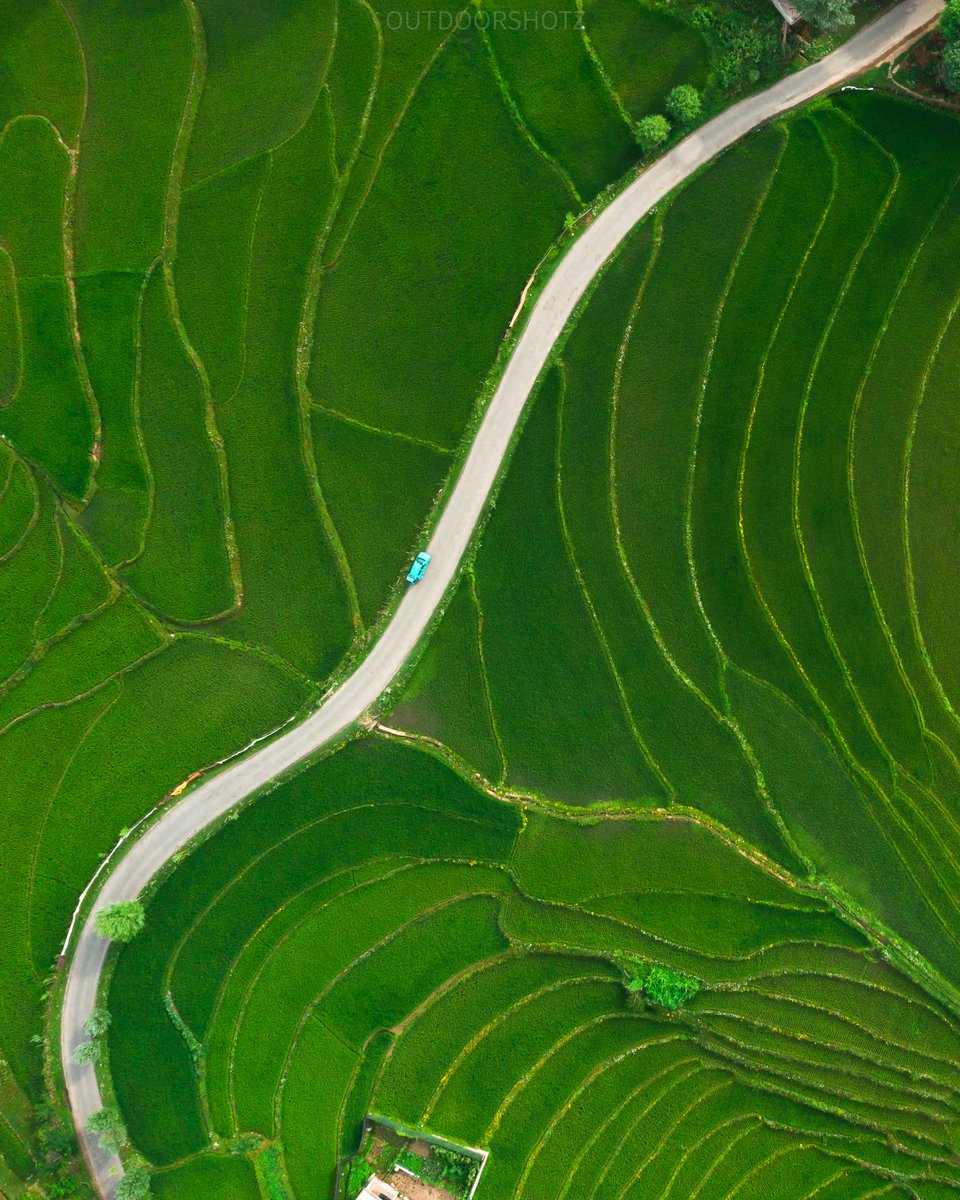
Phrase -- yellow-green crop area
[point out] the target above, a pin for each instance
(257, 259)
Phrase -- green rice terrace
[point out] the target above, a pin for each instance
(645, 882)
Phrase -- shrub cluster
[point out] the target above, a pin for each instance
(949, 27)
(684, 108)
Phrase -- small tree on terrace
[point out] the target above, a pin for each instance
(88, 1052)
(108, 1127)
(120, 922)
(652, 132)
(683, 104)
(134, 1185)
(950, 67)
(950, 21)
(827, 14)
(97, 1024)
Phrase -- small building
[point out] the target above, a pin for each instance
(789, 11)
(376, 1189)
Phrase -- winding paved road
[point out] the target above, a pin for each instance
(463, 510)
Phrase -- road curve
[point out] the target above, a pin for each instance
(464, 508)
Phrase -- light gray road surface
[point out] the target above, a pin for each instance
(463, 510)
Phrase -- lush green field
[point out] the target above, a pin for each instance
(378, 935)
(256, 262)
(734, 496)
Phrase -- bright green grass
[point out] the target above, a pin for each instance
(319, 938)
(184, 570)
(351, 75)
(667, 713)
(294, 600)
(48, 418)
(453, 706)
(560, 94)
(11, 353)
(214, 1178)
(536, 702)
(452, 280)
(97, 650)
(214, 237)
(129, 129)
(644, 52)
(18, 505)
(108, 317)
(81, 586)
(264, 65)
(378, 525)
(659, 390)
(42, 65)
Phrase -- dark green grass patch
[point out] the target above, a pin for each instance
(184, 570)
(401, 975)
(214, 1177)
(826, 522)
(559, 93)
(27, 581)
(265, 63)
(34, 170)
(130, 127)
(358, 1100)
(352, 75)
(586, 1118)
(312, 956)
(323, 848)
(180, 711)
(547, 694)
(437, 259)
(49, 419)
(561, 860)
(214, 239)
(294, 600)
(530, 1113)
(644, 52)
(42, 65)
(452, 705)
(81, 587)
(379, 489)
(408, 43)
(17, 506)
(934, 516)
(108, 317)
(33, 756)
(721, 926)
(429, 1046)
(320, 1071)
(840, 828)
(472, 1095)
(92, 654)
(11, 352)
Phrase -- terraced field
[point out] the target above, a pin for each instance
(380, 935)
(236, 243)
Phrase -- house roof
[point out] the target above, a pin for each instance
(789, 11)
(376, 1189)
